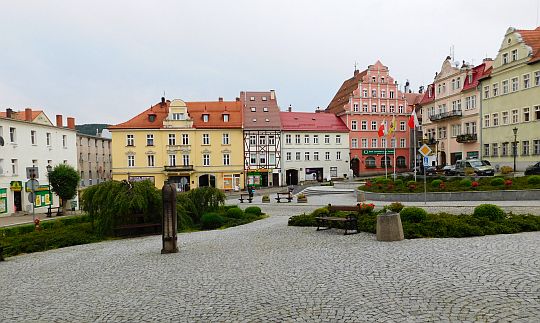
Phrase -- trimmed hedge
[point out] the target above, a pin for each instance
(413, 214)
(253, 210)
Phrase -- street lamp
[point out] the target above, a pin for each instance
(49, 170)
(515, 130)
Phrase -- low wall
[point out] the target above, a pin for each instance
(503, 195)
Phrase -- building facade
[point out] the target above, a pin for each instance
(29, 139)
(262, 138)
(364, 102)
(94, 159)
(511, 102)
(315, 147)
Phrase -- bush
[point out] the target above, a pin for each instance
(395, 207)
(497, 181)
(254, 210)
(489, 211)
(382, 180)
(235, 213)
(436, 183)
(398, 182)
(534, 179)
(210, 221)
(506, 170)
(303, 220)
(413, 214)
(465, 182)
(322, 211)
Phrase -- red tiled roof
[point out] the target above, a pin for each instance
(19, 115)
(142, 120)
(215, 111)
(413, 98)
(426, 99)
(478, 72)
(311, 121)
(532, 39)
(344, 92)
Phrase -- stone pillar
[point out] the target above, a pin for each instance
(389, 227)
(169, 221)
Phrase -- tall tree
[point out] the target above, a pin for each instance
(64, 180)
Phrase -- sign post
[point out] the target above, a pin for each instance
(425, 151)
(33, 184)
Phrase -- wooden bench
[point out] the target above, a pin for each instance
(284, 195)
(59, 211)
(350, 223)
(137, 229)
(245, 196)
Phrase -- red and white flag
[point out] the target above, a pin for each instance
(382, 130)
(413, 120)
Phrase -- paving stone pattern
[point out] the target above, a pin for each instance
(268, 272)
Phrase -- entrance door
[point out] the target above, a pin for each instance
(275, 179)
(355, 166)
(292, 177)
(17, 200)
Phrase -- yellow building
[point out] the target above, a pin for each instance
(190, 144)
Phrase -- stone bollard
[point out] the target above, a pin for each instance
(389, 227)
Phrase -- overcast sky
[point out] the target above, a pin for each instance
(106, 61)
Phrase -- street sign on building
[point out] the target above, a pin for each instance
(425, 150)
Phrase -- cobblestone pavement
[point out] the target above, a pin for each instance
(267, 271)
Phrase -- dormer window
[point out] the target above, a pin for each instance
(265, 109)
(267, 120)
(205, 117)
(254, 119)
(225, 118)
(152, 117)
(178, 116)
(253, 109)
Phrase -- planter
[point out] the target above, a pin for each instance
(266, 200)
(304, 200)
(502, 195)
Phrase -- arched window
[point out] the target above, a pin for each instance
(400, 162)
(370, 162)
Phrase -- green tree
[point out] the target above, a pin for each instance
(64, 180)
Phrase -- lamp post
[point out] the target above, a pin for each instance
(515, 130)
(49, 170)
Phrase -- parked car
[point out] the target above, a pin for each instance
(476, 165)
(449, 170)
(533, 169)
(430, 170)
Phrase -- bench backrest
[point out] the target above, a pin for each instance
(334, 208)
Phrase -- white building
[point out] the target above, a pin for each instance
(315, 147)
(29, 139)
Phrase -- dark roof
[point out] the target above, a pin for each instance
(345, 91)
(266, 114)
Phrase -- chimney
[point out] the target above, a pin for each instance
(28, 114)
(356, 72)
(289, 109)
(162, 104)
(220, 99)
(59, 121)
(237, 99)
(71, 122)
(272, 95)
(9, 113)
(421, 89)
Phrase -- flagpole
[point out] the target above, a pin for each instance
(385, 162)
(414, 136)
(395, 144)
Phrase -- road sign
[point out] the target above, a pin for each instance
(426, 161)
(425, 150)
(31, 197)
(32, 172)
(32, 184)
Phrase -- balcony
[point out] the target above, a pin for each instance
(445, 115)
(467, 138)
(179, 168)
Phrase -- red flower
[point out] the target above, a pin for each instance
(508, 182)
(474, 184)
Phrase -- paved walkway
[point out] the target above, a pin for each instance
(267, 271)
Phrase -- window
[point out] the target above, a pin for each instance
(12, 135)
(326, 155)
(504, 151)
(442, 132)
(456, 130)
(374, 93)
(316, 139)
(338, 139)
(48, 138)
(505, 117)
(364, 93)
(537, 78)
(364, 143)
(373, 108)
(297, 155)
(226, 159)
(225, 118)
(364, 108)
(392, 108)
(505, 58)
(495, 89)
(458, 83)
(149, 140)
(505, 87)
(262, 140)
(185, 139)
(526, 81)
(370, 162)
(486, 150)
(374, 143)
(495, 118)
(205, 139)
(271, 140)
(486, 92)
(515, 84)
(315, 155)
(288, 156)
(400, 109)
(288, 139)
(333, 171)
(373, 125)
(536, 147)
(131, 161)
(172, 139)
(537, 112)
(393, 142)
(402, 125)
(130, 140)
(264, 98)
(515, 116)
(363, 125)
(373, 79)
(306, 155)
(400, 162)
(495, 149)
(206, 160)
(172, 160)
(402, 143)
(355, 107)
(514, 55)
(391, 94)
(338, 155)
(151, 160)
(178, 116)
(354, 143)
(383, 142)
(185, 160)
(306, 139)
(525, 147)
(354, 125)
(225, 139)
(253, 109)
(64, 141)
(526, 115)
(297, 139)
(385, 161)
(486, 121)
(33, 136)
(205, 117)
(326, 139)
(383, 93)
(253, 158)
(265, 109)
(383, 108)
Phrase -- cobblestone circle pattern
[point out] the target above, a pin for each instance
(268, 272)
